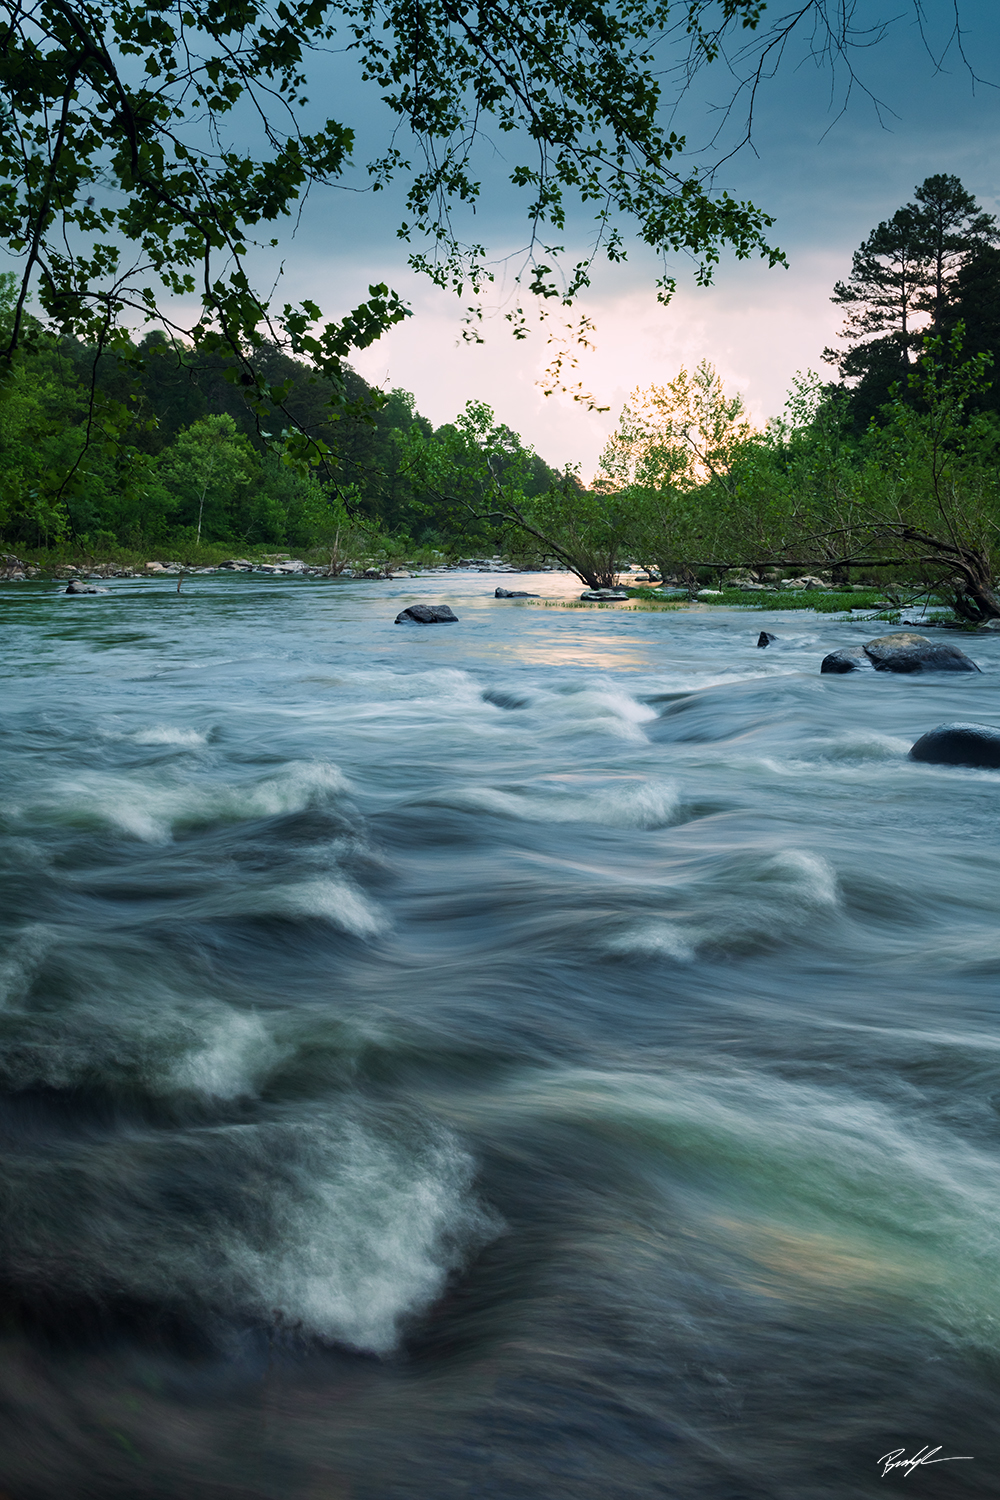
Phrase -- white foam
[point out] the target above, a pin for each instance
(657, 939)
(370, 1239)
(152, 809)
(228, 1058)
(581, 705)
(866, 745)
(333, 899)
(625, 803)
(322, 1221)
(22, 960)
(741, 902)
(167, 734)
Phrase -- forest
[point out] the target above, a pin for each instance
(885, 467)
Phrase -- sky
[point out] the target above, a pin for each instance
(824, 162)
(828, 174)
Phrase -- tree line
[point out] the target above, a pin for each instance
(162, 448)
(895, 466)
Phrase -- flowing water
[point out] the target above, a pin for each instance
(554, 1055)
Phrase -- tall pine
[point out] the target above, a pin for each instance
(953, 228)
(903, 283)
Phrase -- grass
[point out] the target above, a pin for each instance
(845, 605)
(823, 602)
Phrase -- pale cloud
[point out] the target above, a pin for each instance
(757, 327)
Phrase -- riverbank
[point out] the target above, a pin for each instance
(214, 558)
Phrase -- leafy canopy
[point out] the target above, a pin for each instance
(127, 186)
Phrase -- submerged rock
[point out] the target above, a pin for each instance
(76, 587)
(427, 614)
(766, 639)
(847, 659)
(602, 595)
(905, 651)
(514, 594)
(959, 745)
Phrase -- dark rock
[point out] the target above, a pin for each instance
(76, 587)
(514, 594)
(905, 651)
(766, 639)
(427, 614)
(847, 659)
(604, 595)
(959, 745)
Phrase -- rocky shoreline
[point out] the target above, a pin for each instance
(14, 570)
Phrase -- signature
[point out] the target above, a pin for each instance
(897, 1459)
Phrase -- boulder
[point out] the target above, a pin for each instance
(847, 659)
(157, 567)
(902, 651)
(513, 594)
(959, 745)
(709, 594)
(76, 587)
(602, 595)
(767, 639)
(427, 614)
(905, 651)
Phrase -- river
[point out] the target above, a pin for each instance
(549, 1057)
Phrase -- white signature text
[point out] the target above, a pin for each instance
(897, 1459)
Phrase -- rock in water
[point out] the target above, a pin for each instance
(76, 587)
(603, 596)
(959, 745)
(847, 659)
(905, 651)
(514, 594)
(766, 639)
(427, 614)
(901, 652)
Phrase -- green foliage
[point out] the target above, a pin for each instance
(668, 461)
(138, 450)
(485, 483)
(127, 185)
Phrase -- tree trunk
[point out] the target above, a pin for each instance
(975, 599)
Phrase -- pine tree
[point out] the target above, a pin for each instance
(882, 298)
(952, 227)
(975, 303)
(903, 277)
(889, 273)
